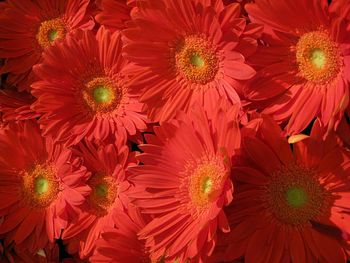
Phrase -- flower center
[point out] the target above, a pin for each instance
(103, 194)
(207, 185)
(103, 95)
(202, 183)
(49, 31)
(295, 196)
(195, 59)
(53, 34)
(318, 57)
(40, 186)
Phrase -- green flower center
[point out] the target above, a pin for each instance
(49, 31)
(207, 185)
(197, 61)
(41, 185)
(102, 94)
(296, 197)
(101, 190)
(52, 35)
(318, 58)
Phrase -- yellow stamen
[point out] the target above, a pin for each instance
(40, 185)
(196, 60)
(102, 94)
(318, 57)
(202, 182)
(49, 31)
(295, 196)
(103, 195)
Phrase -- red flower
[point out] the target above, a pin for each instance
(89, 97)
(188, 51)
(305, 65)
(122, 244)
(28, 28)
(106, 162)
(184, 182)
(41, 186)
(290, 205)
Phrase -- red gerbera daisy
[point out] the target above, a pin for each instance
(106, 162)
(15, 105)
(184, 181)
(114, 13)
(290, 205)
(40, 186)
(305, 65)
(89, 97)
(27, 28)
(187, 51)
(122, 244)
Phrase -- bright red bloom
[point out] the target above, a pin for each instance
(15, 105)
(107, 163)
(28, 28)
(305, 65)
(114, 13)
(122, 244)
(188, 51)
(184, 182)
(89, 97)
(41, 186)
(290, 205)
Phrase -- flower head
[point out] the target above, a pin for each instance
(186, 52)
(291, 205)
(41, 186)
(184, 182)
(304, 65)
(106, 162)
(30, 27)
(90, 96)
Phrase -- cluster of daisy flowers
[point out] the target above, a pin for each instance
(175, 131)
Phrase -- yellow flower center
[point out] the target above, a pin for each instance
(295, 196)
(202, 183)
(103, 195)
(318, 57)
(102, 95)
(40, 185)
(49, 31)
(196, 60)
